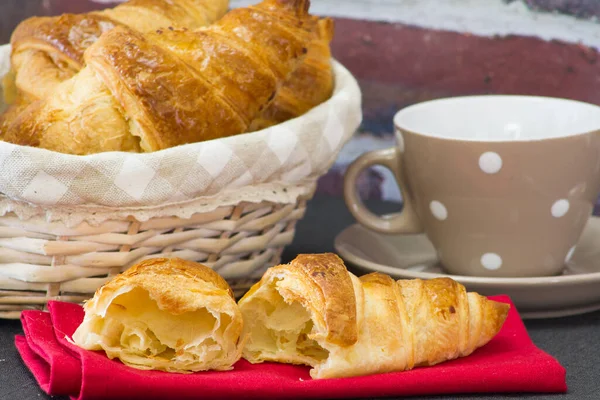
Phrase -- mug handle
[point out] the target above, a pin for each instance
(407, 221)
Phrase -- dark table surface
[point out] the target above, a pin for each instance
(574, 341)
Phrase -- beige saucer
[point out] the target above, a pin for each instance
(411, 256)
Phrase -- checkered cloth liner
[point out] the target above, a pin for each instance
(291, 152)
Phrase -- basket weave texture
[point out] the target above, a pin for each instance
(47, 261)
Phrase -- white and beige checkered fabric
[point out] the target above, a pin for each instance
(289, 153)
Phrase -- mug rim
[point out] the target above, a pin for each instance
(399, 124)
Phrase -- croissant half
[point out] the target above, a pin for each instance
(173, 86)
(48, 50)
(314, 312)
(165, 314)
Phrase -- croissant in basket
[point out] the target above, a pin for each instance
(165, 314)
(48, 50)
(314, 312)
(308, 86)
(147, 92)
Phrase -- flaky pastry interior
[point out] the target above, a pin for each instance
(165, 314)
(281, 329)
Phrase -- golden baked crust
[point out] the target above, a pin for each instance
(191, 14)
(163, 287)
(64, 38)
(309, 85)
(395, 326)
(95, 124)
(166, 314)
(173, 86)
(48, 50)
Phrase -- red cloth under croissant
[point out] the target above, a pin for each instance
(509, 363)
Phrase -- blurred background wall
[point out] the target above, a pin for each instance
(406, 51)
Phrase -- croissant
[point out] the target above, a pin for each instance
(165, 314)
(314, 312)
(147, 92)
(308, 86)
(48, 50)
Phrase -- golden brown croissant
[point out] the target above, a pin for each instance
(48, 50)
(308, 86)
(161, 89)
(314, 312)
(165, 314)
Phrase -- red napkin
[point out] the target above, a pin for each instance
(509, 363)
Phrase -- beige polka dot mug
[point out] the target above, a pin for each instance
(502, 185)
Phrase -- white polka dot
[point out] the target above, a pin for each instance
(570, 254)
(560, 208)
(438, 210)
(491, 261)
(490, 162)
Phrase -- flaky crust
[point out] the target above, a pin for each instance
(382, 325)
(182, 316)
(172, 86)
(309, 85)
(161, 278)
(48, 50)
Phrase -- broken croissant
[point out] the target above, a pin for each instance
(314, 312)
(165, 314)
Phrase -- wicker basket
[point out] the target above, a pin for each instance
(61, 247)
(47, 261)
